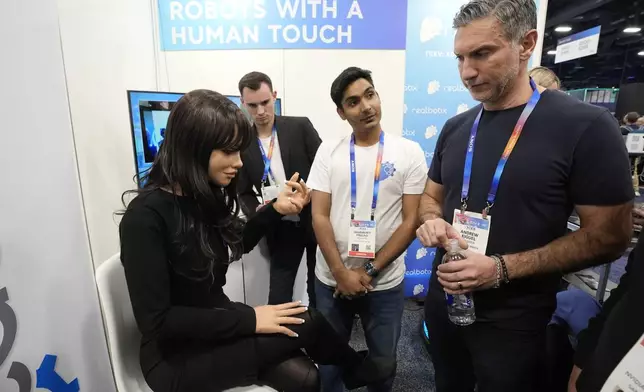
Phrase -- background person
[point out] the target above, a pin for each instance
(283, 146)
(631, 123)
(614, 331)
(545, 78)
(561, 154)
(178, 237)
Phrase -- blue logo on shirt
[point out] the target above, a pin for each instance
(387, 169)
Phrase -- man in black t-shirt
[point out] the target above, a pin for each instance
(561, 154)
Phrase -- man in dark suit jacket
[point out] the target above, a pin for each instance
(285, 145)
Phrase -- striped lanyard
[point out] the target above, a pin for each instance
(376, 179)
(267, 157)
(518, 128)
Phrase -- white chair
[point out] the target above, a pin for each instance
(123, 336)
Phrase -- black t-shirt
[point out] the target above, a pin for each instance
(569, 153)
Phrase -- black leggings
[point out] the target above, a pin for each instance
(282, 363)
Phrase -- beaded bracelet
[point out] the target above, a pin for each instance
(506, 278)
(497, 262)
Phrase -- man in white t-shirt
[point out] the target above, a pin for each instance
(360, 267)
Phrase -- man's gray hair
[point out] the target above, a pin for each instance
(516, 16)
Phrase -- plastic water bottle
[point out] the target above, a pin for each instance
(460, 308)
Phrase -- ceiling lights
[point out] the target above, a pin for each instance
(563, 29)
(641, 53)
(552, 52)
(632, 30)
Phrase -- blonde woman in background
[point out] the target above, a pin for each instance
(545, 78)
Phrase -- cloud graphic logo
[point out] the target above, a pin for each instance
(462, 108)
(430, 29)
(429, 154)
(419, 289)
(433, 87)
(431, 131)
(420, 253)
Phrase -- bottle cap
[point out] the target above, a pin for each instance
(453, 244)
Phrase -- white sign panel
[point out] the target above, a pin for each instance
(578, 45)
(51, 331)
(635, 143)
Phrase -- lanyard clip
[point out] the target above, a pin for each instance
(486, 210)
(463, 205)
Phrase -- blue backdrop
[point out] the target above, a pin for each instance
(282, 24)
(433, 94)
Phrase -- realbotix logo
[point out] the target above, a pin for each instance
(46, 376)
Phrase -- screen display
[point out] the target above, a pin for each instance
(149, 112)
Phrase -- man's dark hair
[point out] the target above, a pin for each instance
(632, 117)
(254, 81)
(344, 80)
(516, 16)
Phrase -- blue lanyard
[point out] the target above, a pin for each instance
(376, 176)
(518, 128)
(267, 157)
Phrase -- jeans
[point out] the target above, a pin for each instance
(381, 314)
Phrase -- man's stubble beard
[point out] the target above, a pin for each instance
(505, 85)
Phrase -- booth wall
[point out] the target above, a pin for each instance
(48, 299)
(110, 47)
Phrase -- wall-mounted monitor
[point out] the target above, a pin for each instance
(149, 112)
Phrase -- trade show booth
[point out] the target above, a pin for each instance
(114, 71)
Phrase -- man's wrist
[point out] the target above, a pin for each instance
(430, 216)
(505, 277)
(336, 270)
(372, 268)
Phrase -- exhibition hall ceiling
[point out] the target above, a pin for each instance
(617, 60)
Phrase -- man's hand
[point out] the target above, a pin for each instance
(476, 272)
(437, 232)
(365, 279)
(350, 283)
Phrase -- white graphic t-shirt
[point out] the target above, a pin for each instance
(403, 171)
